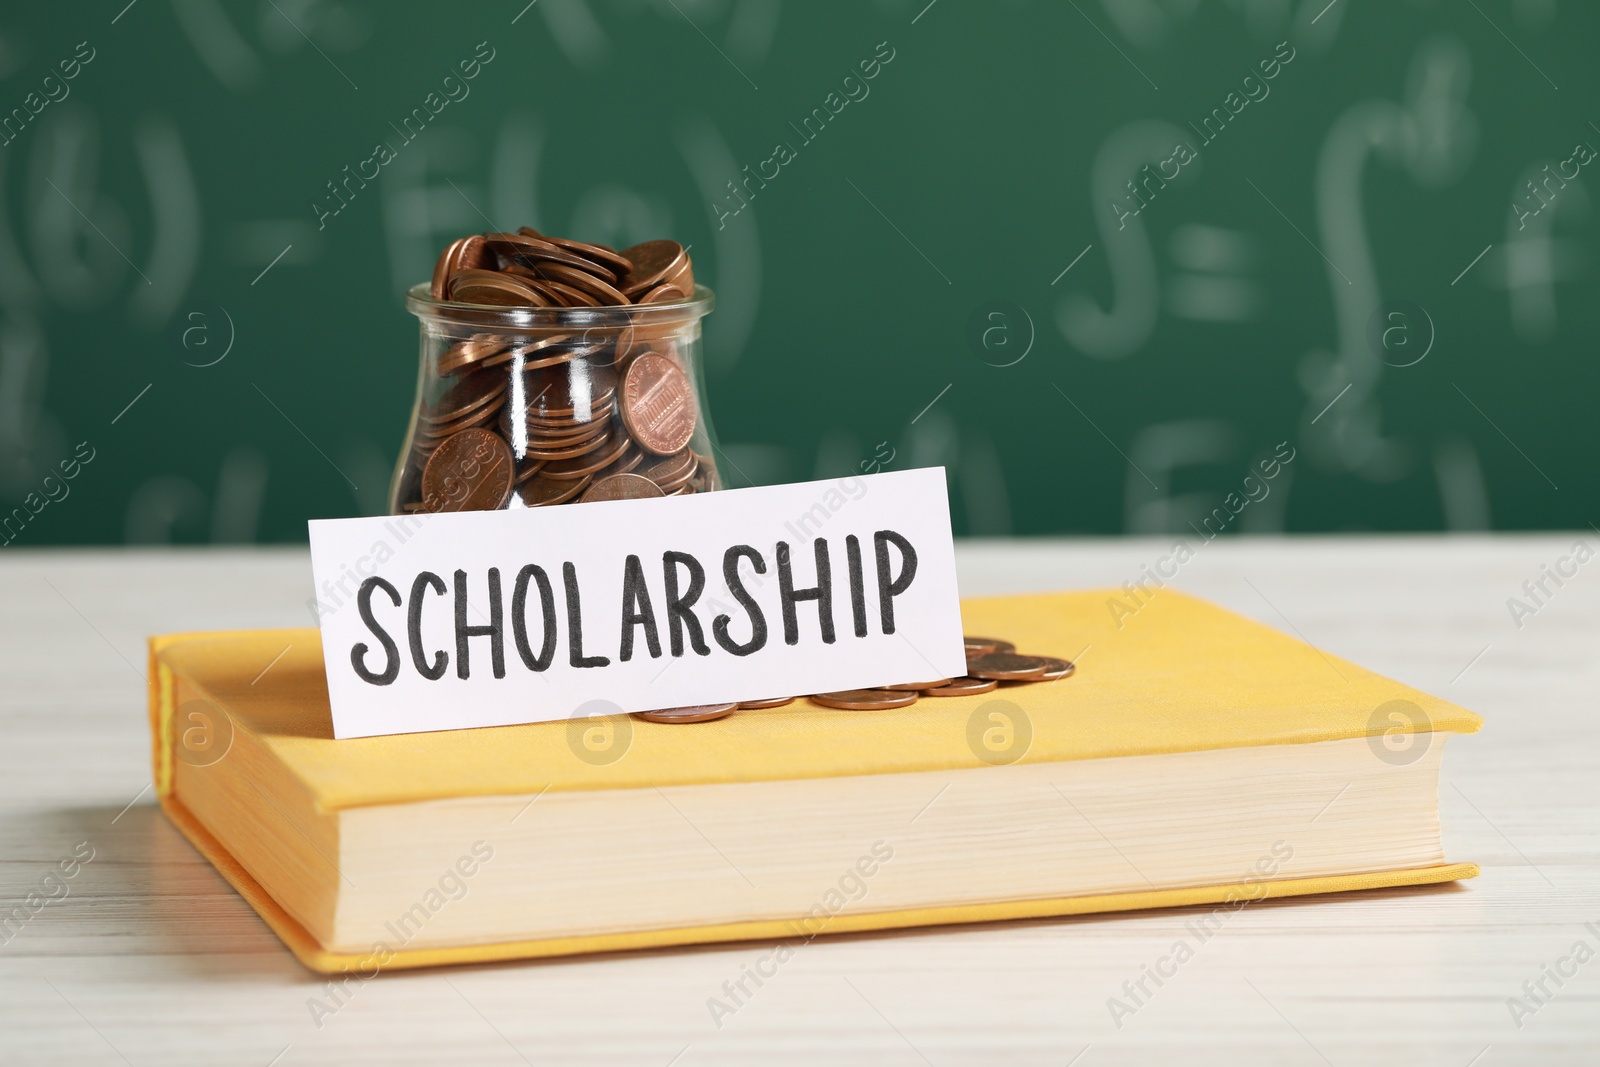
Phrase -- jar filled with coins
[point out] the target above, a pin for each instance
(556, 372)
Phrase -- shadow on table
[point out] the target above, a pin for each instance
(1095, 922)
(136, 887)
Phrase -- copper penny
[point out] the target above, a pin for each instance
(982, 646)
(698, 713)
(583, 398)
(1059, 668)
(565, 295)
(705, 478)
(542, 492)
(567, 427)
(621, 487)
(917, 687)
(570, 391)
(467, 395)
(865, 699)
(960, 687)
(652, 261)
(479, 348)
(539, 439)
(672, 486)
(563, 470)
(471, 471)
(582, 448)
(630, 460)
(602, 256)
(543, 435)
(518, 271)
(671, 472)
(548, 356)
(463, 254)
(493, 287)
(662, 294)
(657, 405)
(442, 267)
(1007, 667)
(582, 279)
(530, 353)
(528, 470)
(530, 251)
(683, 276)
(481, 417)
(770, 702)
(637, 345)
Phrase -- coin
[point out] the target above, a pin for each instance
(681, 275)
(770, 702)
(917, 687)
(662, 294)
(1007, 667)
(601, 256)
(672, 472)
(536, 357)
(527, 437)
(442, 268)
(960, 687)
(698, 713)
(602, 291)
(541, 492)
(865, 699)
(1059, 668)
(982, 646)
(448, 429)
(565, 295)
(467, 395)
(705, 478)
(462, 254)
(530, 251)
(527, 350)
(493, 287)
(629, 461)
(657, 405)
(621, 487)
(652, 261)
(565, 427)
(528, 470)
(562, 470)
(571, 451)
(572, 390)
(479, 348)
(470, 471)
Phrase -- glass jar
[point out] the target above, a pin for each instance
(523, 407)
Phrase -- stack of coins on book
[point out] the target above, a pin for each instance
(991, 663)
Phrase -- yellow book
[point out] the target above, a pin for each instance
(1194, 758)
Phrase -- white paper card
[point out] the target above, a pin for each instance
(439, 622)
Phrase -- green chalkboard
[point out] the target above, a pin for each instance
(1120, 266)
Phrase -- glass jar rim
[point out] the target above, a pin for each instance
(421, 303)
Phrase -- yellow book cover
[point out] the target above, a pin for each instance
(1179, 720)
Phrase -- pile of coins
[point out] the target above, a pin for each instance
(531, 269)
(550, 417)
(991, 663)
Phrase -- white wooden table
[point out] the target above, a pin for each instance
(151, 959)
